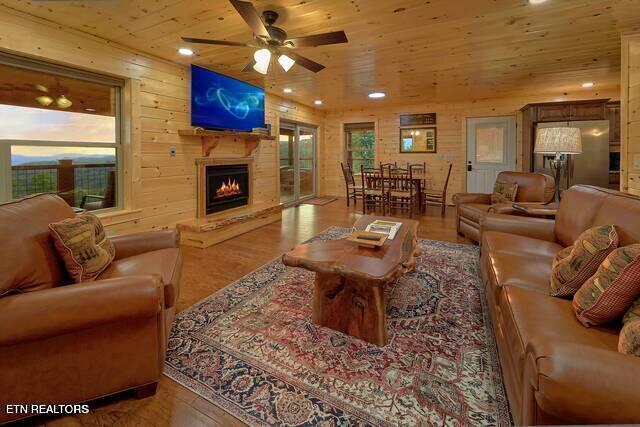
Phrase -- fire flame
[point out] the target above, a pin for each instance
(228, 188)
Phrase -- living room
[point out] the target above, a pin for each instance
(225, 212)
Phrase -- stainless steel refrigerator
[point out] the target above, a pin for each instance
(592, 166)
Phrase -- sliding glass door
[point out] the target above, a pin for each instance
(297, 162)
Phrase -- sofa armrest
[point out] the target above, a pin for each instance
(56, 311)
(537, 228)
(480, 198)
(138, 243)
(584, 384)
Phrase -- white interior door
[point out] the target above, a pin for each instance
(491, 149)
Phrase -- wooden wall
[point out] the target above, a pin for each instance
(451, 142)
(160, 190)
(630, 114)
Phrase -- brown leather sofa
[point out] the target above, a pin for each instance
(557, 371)
(471, 207)
(63, 343)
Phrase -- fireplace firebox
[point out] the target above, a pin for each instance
(227, 186)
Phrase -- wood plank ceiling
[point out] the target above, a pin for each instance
(414, 50)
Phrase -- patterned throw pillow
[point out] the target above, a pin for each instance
(612, 290)
(83, 246)
(629, 341)
(504, 192)
(570, 271)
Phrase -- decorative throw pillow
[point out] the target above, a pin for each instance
(583, 260)
(83, 246)
(504, 192)
(612, 290)
(629, 340)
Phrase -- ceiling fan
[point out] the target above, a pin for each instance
(272, 41)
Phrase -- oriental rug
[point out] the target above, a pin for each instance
(252, 350)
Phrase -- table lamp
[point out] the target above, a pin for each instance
(559, 141)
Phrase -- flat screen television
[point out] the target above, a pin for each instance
(222, 102)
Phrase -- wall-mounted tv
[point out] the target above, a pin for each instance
(222, 102)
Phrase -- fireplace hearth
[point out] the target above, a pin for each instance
(226, 187)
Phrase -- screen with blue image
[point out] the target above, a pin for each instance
(221, 102)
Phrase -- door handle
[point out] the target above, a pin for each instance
(469, 167)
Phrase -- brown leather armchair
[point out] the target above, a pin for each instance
(471, 207)
(555, 370)
(64, 343)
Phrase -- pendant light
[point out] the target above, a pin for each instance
(63, 102)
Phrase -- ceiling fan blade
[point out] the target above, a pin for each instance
(251, 17)
(305, 62)
(319, 39)
(218, 42)
(249, 66)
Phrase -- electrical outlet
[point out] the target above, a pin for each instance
(172, 151)
(636, 161)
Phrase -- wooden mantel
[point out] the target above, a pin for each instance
(211, 138)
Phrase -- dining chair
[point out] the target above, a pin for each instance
(385, 167)
(402, 191)
(353, 191)
(374, 191)
(438, 196)
(417, 168)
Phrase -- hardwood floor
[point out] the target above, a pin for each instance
(208, 270)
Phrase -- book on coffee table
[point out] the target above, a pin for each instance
(386, 228)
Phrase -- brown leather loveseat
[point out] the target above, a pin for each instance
(64, 343)
(557, 371)
(471, 207)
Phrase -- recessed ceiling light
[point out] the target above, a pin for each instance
(185, 51)
(376, 95)
(588, 84)
(318, 102)
(91, 110)
(536, 1)
(287, 90)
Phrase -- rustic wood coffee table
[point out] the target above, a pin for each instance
(350, 280)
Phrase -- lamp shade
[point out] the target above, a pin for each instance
(262, 58)
(285, 62)
(564, 140)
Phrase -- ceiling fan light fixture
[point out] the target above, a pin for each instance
(285, 62)
(44, 100)
(63, 102)
(262, 58)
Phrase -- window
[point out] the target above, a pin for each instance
(360, 145)
(489, 144)
(59, 133)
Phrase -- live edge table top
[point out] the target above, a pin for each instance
(349, 260)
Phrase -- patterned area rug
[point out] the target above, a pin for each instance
(252, 350)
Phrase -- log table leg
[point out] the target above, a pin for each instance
(355, 307)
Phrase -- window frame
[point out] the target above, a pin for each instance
(119, 87)
(348, 149)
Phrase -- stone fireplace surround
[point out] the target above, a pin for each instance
(230, 148)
